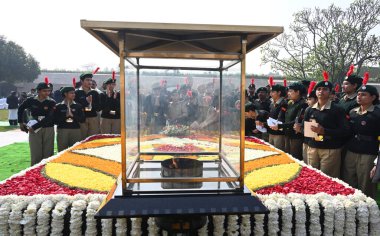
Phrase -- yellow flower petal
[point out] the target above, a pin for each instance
(270, 176)
(79, 177)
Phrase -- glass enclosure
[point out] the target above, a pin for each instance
(182, 128)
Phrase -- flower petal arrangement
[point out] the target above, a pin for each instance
(61, 194)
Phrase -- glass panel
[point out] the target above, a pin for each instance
(231, 117)
(131, 114)
(179, 114)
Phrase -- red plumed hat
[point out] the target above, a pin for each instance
(271, 83)
(96, 70)
(311, 87)
(351, 70)
(113, 76)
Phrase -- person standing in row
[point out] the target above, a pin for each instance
(324, 151)
(67, 116)
(251, 91)
(296, 105)
(39, 122)
(12, 102)
(262, 102)
(89, 100)
(311, 99)
(110, 106)
(277, 112)
(350, 85)
(363, 146)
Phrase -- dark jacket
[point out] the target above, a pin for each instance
(333, 119)
(293, 114)
(110, 105)
(41, 111)
(348, 103)
(81, 98)
(262, 105)
(277, 112)
(365, 130)
(60, 118)
(12, 102)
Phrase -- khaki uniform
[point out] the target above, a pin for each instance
(277, 140)
(293, 147)
(67, 138)
(356, 169)
(91, 126)
(110, 126)
(362, 149)
(324, 152)
(68, 132)
(41, 144)
(326, 160)
(304, 152)
(41, 140)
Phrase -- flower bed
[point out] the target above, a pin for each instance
(61, 194)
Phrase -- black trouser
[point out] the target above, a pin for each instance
(12, 122)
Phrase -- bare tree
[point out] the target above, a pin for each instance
(327, 39)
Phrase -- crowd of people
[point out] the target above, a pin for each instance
(79, 111)
(336, 132)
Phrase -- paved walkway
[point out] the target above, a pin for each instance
(13, 136)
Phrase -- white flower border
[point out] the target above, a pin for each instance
(44, 214)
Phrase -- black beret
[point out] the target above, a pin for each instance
(66, 90)
(298, 87)
(86, 75)
(109, 81)
(326, 84)
(370, 89)
(262, 89)
(305, 83)
(279, 88)
(43, 85)
(312, 94)
(354, 79)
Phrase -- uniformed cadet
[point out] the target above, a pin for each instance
(293, 114)
(35, 116)
(177, 109)
(89, 100)
(277, 111)
(253, 116)
(68, 115)
(350, 85)
(262, 102)
(363, 146)
(251, 92)
(311, 99)
(324, 151)
(155, 107)
(110, 106)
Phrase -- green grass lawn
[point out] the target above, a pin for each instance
(14, 158)
(3, 115)
(7, 128)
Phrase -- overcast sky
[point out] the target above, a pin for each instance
(51, 32)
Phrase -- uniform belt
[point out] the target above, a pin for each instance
(367, 138)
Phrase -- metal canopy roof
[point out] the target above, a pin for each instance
(168, 40)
